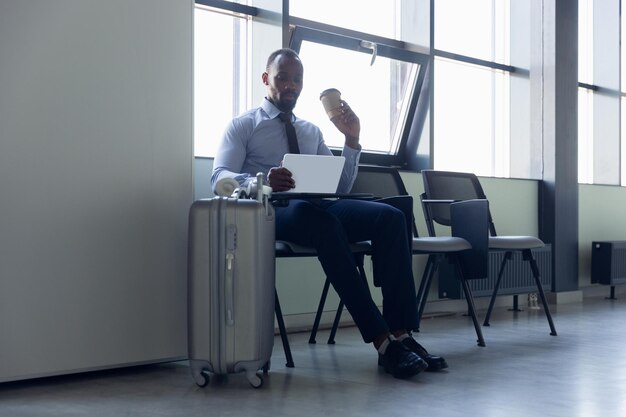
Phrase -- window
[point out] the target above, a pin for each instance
(585, 93)
(585, 136)
(472, 90)
(585, 41)
(479, 116)
(600, 131)
(227, 82)
(379, 81)
(623, 138)
(471, 118)
(477, 28)
(377, 19)
(623, 94)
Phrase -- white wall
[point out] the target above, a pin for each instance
(96, 181)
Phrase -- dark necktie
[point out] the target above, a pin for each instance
(291, 133)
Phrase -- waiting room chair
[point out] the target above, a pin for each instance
(458, 186)
(385, 183)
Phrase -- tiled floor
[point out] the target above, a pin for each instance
(523, 371)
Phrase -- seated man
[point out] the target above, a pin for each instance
(256, 142)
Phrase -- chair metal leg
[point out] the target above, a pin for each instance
(470, 305)
(611, 294)
(333, 330)
(320, 310)
(283, 331)
(359, 259)
(515, 304)
(528, 256)
(422, 294)
(507, 256)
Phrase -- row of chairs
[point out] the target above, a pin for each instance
(451, 199)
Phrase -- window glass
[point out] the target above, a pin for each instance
(472, 129)
(585, 136)
(220, 91)
(377, 18)
(585, 96)
(623, 100)
(379, 94)
(585, 41)
(623, 47)
(477, 28)
(623, 141)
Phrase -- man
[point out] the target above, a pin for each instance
(256, 142)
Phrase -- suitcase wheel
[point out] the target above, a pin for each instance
(201, 378)
(254, 379)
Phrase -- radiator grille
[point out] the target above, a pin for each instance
(517, 278)
(608, 262)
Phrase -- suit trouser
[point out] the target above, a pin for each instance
(330, 226)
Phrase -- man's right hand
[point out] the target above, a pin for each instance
(280, 179)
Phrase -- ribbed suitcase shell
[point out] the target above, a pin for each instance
(231, 287)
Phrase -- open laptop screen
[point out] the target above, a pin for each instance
(314, 173)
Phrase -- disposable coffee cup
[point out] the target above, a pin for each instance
(331, 100)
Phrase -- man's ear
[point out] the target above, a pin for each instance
(264, 77)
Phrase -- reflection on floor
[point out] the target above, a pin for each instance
(523, 371)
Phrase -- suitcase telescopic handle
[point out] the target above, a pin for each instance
(263, 191)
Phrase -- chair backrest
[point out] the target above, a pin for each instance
(381, 182)
(447, 185)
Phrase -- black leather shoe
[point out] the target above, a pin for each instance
(400, 361)
(435, 363)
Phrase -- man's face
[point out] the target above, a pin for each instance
(284, 82)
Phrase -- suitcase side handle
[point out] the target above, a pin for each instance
(229, 283)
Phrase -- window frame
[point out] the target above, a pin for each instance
(230, 6)
(302, 30)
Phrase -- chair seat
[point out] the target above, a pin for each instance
(284, 248)
(287, 249)
(443, 244)
(515, 242)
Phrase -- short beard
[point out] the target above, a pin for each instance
(285, 107)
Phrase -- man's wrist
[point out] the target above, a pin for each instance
(353, 142)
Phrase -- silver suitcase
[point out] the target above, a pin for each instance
(231, 287)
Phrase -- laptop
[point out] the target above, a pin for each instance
(314, 173)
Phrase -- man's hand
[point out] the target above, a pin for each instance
(348, 123)
(280, 179)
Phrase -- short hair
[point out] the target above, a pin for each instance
(288, 52)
